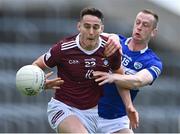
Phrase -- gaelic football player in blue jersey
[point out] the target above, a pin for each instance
(141, 66)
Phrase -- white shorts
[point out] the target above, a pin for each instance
(112, 125)
(58, 111)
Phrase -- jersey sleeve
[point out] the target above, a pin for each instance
(50, 57)
(155, 69)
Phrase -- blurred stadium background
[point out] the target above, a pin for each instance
(29, 28)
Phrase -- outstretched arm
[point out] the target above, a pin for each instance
(50, 83)
(137, 80)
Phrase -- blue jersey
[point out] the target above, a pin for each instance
(110, 105)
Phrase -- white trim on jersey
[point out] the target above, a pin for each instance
(68, 45)
(103, 43)
(141, 51)
(65, 43)
(46, 56)
(156, 70)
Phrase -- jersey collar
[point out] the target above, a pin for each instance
(141, 51)
(84, 50)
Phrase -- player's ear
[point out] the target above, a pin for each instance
(154, 32)
(78, 26)
(102, 28)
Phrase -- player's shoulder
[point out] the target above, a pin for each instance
(152, 55)
(123, 40)
(153, 58)
(67, 40)
(66, 43)
(122, 37)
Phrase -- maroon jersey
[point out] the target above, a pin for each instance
(75, 66)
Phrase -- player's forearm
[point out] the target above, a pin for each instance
(140, 79)
(125, 95)
(130, 109)
(128, 81)
(39, 62)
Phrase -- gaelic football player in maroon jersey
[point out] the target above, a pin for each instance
(73, 108)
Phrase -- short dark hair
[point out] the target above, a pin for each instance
(92, 11)
(147, 11)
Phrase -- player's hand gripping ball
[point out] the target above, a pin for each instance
(30, 80)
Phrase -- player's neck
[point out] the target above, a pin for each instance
(136, 46)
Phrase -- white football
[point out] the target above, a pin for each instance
(30, 80)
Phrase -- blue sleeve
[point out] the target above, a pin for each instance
(155, 69)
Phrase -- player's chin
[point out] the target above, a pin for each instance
(93, 41)
(137, 37)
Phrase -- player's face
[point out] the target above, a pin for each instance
(90, 28)
(143, 28)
